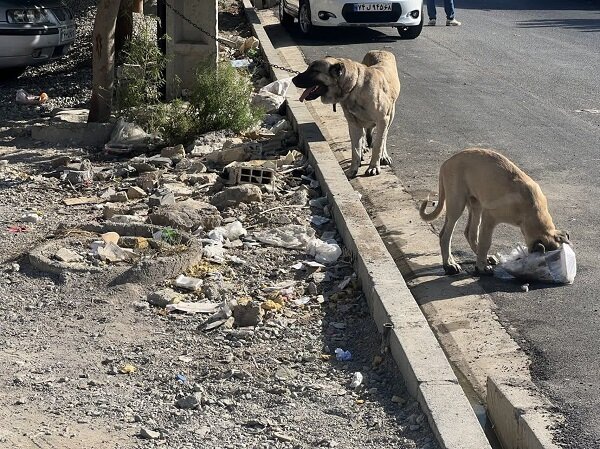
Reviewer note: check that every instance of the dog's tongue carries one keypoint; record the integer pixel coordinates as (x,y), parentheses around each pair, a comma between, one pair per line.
(306,93)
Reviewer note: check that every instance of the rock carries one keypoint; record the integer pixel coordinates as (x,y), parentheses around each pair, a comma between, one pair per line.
(31,218)
(79,176)
(196,167)
(60,161)
(111,209)
(188,283)
(159,161)
(248,314)
(312,288)
(147,181)
(134,242)
(148,434)
(232,196)
(398,400)
(161,198)
(135,193)
(267,101)
(119,197)
(142,167)
(203,150)
(238,153)
(110,237)
(175,153)
(187,215)
(114,253)
(178,188)
(68,256)
(161,298)
(190,402)
(127,219)
(204,178)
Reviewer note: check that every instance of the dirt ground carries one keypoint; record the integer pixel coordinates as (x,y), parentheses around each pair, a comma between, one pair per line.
(89,363)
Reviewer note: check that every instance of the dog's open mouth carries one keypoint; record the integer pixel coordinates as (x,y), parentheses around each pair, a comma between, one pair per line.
(313,92)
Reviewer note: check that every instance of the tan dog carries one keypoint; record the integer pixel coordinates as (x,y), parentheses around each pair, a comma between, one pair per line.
(367,93)
(494,190)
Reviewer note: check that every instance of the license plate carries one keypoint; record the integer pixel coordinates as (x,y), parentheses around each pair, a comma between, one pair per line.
(372,7)
(67,34)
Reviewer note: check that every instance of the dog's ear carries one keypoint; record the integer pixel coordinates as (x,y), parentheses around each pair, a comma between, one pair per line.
(538,247)
(337,69)
(563,237)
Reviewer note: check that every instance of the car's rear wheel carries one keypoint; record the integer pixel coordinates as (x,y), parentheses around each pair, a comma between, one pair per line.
(285,19)
(304,19)
(411,32)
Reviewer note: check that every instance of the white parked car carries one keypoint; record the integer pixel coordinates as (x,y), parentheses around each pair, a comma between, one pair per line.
(33,32)
(405,15)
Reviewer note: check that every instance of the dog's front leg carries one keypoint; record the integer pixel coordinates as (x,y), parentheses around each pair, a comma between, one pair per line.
(486,229)
(357,136)
(381,131)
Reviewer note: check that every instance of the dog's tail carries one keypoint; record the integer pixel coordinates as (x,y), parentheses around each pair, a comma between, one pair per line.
(438,208)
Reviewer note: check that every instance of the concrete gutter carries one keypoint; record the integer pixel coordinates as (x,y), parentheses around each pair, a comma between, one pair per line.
(424,366)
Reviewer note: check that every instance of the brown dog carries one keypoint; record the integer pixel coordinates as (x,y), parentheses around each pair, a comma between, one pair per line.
(367,93)
(494,190)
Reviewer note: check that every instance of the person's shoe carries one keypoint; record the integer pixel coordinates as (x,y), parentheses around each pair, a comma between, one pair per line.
(452,23)
(431,22)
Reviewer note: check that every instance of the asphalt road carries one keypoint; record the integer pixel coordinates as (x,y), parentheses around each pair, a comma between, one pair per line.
(518,77)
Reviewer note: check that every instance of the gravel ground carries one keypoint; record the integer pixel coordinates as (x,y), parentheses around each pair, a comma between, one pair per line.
(67,339)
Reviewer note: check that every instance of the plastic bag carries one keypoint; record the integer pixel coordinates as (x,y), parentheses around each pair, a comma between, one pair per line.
(559,266)
(288,236)
(324,251)
(278,87)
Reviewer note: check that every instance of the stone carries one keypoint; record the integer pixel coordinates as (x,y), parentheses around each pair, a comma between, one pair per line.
(148,434)
(312,288)
(267,101)
(162,297)
(233,196)
(248,314)
(178,188)
(128,219)
(143,167)
(111,209)
(147,181)
(187,215)
(175,153)
(193,401)
(135,193)
(202,179)
(79,176)
(161,198)
(119,197)
(134,242)
(203,150)
(31,218)
(238,153)
(159,161)
(60,161)
(114,253)
(67,255)
(110,237)
(188,282)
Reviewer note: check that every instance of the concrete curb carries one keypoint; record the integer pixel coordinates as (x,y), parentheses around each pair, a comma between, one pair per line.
(423,364)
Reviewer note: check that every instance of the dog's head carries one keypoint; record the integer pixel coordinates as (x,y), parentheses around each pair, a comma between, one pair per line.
(550,242)
(322,79)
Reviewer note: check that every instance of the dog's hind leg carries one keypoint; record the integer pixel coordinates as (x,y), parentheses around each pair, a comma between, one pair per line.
(385,157)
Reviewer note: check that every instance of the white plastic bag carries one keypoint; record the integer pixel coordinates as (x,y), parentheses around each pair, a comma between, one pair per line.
(324,251)
(278,87)
(559,266)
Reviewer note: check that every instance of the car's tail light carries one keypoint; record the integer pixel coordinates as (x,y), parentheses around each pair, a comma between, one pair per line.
(32,16)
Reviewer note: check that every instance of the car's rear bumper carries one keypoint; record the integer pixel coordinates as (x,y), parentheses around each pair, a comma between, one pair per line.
(343,14)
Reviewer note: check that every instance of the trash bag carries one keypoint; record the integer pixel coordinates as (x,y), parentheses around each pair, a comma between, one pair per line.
(278,87)
(558,267)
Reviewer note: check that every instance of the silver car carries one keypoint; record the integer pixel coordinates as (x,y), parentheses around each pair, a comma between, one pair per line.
(33,32)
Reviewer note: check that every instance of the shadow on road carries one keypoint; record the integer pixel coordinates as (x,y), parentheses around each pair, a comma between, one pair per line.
(486,5)
(585,25)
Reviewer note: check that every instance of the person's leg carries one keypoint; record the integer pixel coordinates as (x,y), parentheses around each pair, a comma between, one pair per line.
(431,9)
(449,8)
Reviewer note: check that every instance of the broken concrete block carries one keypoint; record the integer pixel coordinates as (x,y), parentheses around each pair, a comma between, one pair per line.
(187,215)
(188,282)
(161,198)
(68,256)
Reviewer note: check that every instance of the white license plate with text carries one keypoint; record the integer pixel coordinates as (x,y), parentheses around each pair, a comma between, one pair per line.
(67,34)
(372,7)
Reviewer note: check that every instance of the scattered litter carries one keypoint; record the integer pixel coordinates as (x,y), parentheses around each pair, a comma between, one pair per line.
(325,252)
(589,111)
(23,97)
(241,63)
(188,283)
(193,307)
(559,266)
(357,379)
(181,378)
(525,288)
(320,202)
(317,220)
(31,218)
(279,87)
(288,236)
(342,356)
(231,231)
(16,229)
(301,301)
(128,368)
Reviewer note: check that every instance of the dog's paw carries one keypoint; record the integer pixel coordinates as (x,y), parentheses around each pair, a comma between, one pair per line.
(452,269)
(493,260)
(385,160)
(488,270)
(372,171)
